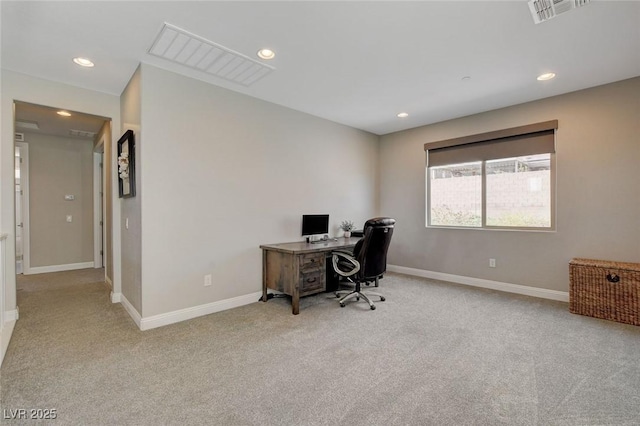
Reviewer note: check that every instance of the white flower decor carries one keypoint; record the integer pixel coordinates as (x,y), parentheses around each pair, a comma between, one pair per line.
(347,225)
(123,165)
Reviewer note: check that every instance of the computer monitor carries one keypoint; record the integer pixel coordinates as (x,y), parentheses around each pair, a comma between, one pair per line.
(313,224)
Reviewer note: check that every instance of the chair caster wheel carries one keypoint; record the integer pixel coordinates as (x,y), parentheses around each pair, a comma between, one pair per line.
(342,305)
(337,296)
(373,308)
(357,299)
(382,299)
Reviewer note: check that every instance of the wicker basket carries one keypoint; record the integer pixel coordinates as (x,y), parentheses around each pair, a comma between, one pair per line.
(605,289)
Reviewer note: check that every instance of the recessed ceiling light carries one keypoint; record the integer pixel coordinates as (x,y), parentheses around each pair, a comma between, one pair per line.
(403,114)
(64,113)
(546,76)
(266,54)
(83,62)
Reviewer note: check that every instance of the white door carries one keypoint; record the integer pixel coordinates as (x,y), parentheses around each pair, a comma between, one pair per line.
(22,207)
(101,211)
(19,218)
(98,212)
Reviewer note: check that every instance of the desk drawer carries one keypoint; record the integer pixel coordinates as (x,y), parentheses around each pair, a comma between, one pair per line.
(311,282)
(309,262)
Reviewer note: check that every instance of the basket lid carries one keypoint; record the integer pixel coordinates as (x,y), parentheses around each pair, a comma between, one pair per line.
(605,264)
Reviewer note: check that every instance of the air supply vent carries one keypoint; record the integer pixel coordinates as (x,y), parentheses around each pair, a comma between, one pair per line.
(182,47)
(19,137)
(543,10)
(82,134)
(26,124)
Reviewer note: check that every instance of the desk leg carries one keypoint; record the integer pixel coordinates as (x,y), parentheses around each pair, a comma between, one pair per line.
(264,275)
(295,301)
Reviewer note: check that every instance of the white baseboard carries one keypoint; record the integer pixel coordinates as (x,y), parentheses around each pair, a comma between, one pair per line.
(108,282)
(59,268)
(12,315)
(116,297)
(197,311)
(5,337)
(133,313)
(542,293)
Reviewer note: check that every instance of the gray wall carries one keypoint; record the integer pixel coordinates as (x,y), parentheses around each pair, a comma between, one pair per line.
(598,192)
(130,108)
(223,173)
(60,166)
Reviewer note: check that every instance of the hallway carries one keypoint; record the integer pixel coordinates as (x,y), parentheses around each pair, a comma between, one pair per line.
(61,300)
(67,325)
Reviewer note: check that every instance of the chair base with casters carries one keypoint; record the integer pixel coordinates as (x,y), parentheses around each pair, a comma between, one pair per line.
(357,294)
(367,262)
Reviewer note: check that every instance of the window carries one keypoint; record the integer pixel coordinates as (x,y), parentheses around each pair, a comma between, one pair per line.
(456,195)
(496,180)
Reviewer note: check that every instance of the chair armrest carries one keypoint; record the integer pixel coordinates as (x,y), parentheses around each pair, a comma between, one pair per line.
(337,256)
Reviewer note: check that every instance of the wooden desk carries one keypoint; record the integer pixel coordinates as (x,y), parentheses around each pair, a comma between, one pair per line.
(298,269)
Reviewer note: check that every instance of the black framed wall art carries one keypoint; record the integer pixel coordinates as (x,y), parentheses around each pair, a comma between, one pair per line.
(127,165)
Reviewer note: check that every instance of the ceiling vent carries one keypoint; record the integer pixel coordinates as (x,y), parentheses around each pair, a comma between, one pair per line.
(19,137)
(543,10)
(25,124)
(182,47)
(82,134)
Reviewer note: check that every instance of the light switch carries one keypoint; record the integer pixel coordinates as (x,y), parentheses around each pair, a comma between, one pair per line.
(69,218)
(69,197)
(126,223)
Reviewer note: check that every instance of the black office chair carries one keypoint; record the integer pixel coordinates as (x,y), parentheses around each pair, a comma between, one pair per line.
(368,261)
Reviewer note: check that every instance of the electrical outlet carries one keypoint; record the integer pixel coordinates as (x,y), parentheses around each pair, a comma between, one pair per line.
(492,263)
(207,280)
(69,218)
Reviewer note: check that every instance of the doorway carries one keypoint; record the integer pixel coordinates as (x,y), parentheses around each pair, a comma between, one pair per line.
(55,191)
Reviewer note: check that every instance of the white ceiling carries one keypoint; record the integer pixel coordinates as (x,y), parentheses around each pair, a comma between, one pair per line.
(356,63)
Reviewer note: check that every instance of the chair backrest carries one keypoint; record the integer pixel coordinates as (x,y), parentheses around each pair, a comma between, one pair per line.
(372,253)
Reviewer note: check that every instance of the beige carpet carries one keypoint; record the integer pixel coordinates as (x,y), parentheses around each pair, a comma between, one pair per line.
(432,354)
